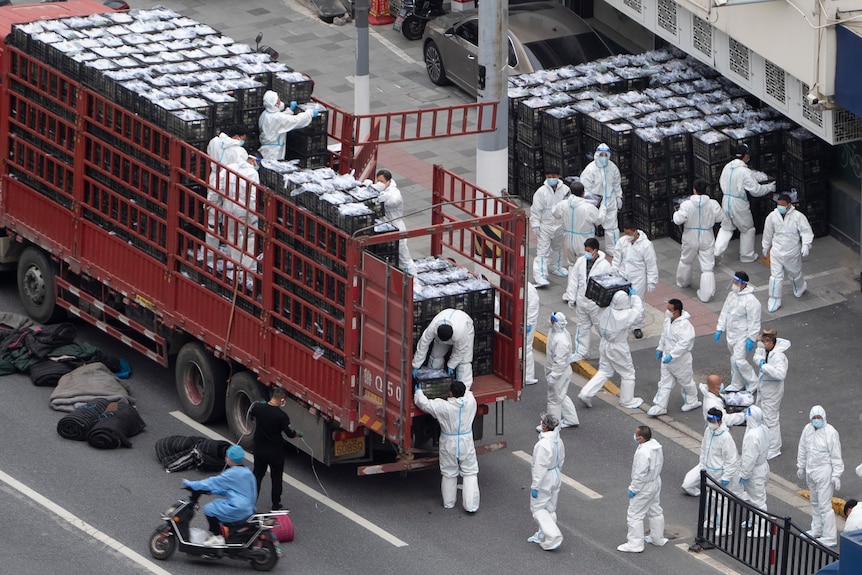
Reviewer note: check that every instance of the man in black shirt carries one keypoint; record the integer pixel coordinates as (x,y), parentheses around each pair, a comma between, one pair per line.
(271,421)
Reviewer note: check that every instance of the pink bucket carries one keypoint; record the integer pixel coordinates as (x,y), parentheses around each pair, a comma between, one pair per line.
(283,529)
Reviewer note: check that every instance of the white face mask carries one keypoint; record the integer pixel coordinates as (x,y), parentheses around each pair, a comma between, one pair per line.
(713,426)
(281,107)
(635,437)
(735,288)
(668,314)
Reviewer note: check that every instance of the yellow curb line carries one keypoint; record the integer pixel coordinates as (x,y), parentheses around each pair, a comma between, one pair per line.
(582,368)
(837,502)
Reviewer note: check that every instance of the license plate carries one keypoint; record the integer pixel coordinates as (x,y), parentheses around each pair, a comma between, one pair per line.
(350,446)
(399,20)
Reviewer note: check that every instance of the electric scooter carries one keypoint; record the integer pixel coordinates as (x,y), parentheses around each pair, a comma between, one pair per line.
(414,16)
(250,540)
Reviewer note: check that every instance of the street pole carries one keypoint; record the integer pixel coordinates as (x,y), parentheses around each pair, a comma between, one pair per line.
(361,82)
(492,162)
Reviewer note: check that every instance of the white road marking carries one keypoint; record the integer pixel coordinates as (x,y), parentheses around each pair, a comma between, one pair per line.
(721,568)
(395,49)
(299,486)
(579,487)
(82,525)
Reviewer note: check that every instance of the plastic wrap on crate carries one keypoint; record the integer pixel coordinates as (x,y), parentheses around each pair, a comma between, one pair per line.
(431,263)
(435,383)
(711,146)
(293,86)
(602,287)
(443,276)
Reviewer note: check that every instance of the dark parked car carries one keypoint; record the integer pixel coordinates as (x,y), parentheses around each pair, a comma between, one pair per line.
(542,35)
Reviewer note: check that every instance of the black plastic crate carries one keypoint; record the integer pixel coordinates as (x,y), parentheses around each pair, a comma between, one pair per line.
(650,189)
(749,140)
(483,364)
(709,151)
(307,144)
(678,143)
(819,226)
(647,148)
(769,162)
(804,168)
(650,169)
(529,115)
(679,163)
(561,146)
(560,126)
(592,128)
(651,208)
(435,383)
(483,323)
(617,135)
(292,90)
(768,142)
(802,144)
(312,161)
(530,176)
(680,185)
(482,301)
(602,287)
(530,135)
(805,187)
(483,343)
(654,229)
(529,154)
(568,165)
(187,124)
(707,171)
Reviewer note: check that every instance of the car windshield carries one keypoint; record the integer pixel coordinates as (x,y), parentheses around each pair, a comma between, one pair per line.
(565,50)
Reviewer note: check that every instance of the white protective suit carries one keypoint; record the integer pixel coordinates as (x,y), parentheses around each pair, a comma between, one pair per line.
(237,219)
(786,238)
(549,454)
(615,321)
(558,372)
(530,328)
(457,449)
(646,485)
(739,320)
(224,150)
(736,182)
(753,468)
(579,218)
(393,207)
(698,215)
(635,260)
(605,182)
(461,345)
(549,234)
(275,122)
(773,370)
(854,521)
(677,341)
(587,311)
(819,461)
(719,457)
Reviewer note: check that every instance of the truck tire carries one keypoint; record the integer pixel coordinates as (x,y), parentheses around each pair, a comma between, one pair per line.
(243,391)
(201,381)
(36,286)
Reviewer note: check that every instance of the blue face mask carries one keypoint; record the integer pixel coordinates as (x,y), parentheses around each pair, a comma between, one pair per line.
(602,161)
(817,423)
(782,210)
(588,255)
(552,182)
(242,142)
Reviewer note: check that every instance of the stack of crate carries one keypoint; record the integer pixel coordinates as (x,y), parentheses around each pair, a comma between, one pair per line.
(439,285)
(516,96)
(804,169)
(528,147)
(711,151)
(561,140)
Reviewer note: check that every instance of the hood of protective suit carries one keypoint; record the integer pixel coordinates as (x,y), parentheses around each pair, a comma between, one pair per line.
(561,323)
(620,300)
(246,170)
(270,101)
(683,315)
(818,410)
(781,345)
(754,416)
(746,290)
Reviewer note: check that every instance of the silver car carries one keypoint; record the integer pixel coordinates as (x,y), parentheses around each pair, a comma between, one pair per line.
(542,35)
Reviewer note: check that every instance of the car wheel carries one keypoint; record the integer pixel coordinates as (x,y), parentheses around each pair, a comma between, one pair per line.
(434,65)
(413,27)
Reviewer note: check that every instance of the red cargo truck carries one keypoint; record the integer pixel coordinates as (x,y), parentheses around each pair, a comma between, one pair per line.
(107,216)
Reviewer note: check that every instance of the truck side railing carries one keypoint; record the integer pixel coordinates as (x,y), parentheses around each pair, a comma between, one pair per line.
(766,543)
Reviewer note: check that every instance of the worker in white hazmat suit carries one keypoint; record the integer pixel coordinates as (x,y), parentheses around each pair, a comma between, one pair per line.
(275,122)
(819,463)
(452,333)
(546,228)
(579,218)
(602,177)
(718,456)
(645,494)
(549,454)
(771,359)
(736,182)
(634,259)
(698,216)
(740,319)
(614,354)
(241,204)
(457,449)
(674,353)
(530,334)
(558,371)
(393,206)
(787,238)
(592,263)
(753,468)
(227,148)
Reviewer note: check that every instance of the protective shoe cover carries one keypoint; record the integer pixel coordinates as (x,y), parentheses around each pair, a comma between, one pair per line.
(552,537)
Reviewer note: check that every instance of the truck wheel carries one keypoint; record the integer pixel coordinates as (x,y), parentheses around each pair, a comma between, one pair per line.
(36,286)
(243,391)
(201,383)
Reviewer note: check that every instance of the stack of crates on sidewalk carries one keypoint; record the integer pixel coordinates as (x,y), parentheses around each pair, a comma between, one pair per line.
(440,284)
(529,152)
(804,169)
(711,151)
(561,140)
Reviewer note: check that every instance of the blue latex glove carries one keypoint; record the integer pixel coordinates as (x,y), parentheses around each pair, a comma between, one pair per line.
(725,482)
(631,494)
(667,358)
(718,333)
(743,481)
(529,328)
(450,371)
(293,105)
(658,355)
(762,362)
(417,387)
(632,290)
(415,372)
(749,345)
(534,493)
(314,113)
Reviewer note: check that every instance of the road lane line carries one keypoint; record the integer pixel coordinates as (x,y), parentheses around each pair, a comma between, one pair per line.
(82,525)
(395,49)
(579,487)
(720,567)
(302,487)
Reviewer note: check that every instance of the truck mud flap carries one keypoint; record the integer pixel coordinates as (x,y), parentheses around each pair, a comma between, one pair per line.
(423,463)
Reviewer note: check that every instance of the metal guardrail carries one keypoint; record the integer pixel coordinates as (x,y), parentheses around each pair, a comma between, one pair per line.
(766,543)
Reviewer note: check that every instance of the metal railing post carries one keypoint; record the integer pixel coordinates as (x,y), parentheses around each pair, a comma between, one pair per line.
(785,548)
(701,508)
